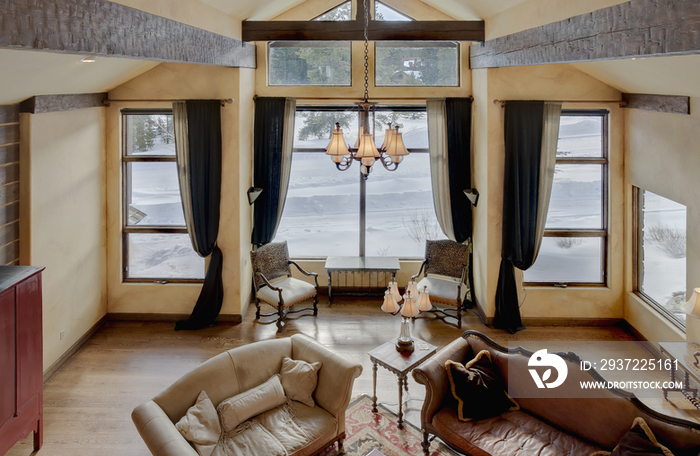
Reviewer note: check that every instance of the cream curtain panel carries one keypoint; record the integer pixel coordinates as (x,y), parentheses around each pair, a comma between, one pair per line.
(550,137)
(290,109)
(182,148)
(439,164)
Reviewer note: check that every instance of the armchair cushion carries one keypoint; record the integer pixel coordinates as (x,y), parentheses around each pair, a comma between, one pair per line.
(293,291)
(200,425)
(446,257)
(237,409)
(444,290)
(299,380)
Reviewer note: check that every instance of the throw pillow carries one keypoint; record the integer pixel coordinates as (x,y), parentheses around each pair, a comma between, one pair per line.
(200,425)
(237,409)
(479,388)
(638,441)
(299,380)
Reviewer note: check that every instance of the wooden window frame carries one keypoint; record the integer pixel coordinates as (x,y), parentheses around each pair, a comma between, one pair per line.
(602,233)
(126,181)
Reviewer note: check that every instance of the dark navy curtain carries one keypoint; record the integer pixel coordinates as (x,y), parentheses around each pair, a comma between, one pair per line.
(524,122)
(268,137)
(199,166)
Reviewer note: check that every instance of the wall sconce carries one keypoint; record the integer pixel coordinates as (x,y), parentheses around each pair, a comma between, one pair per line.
(253,194)
(472,195)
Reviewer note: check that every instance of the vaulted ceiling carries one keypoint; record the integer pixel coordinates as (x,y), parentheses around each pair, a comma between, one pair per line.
(27,73)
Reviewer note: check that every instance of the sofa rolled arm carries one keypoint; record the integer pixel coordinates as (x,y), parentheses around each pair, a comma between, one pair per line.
(335,379)
(159,433)
(433,375)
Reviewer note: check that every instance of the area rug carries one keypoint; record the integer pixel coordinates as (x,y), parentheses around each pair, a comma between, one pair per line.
(366,431)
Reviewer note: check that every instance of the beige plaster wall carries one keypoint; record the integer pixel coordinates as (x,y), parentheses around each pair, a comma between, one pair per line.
(533,13)
(177,81)
(63,220)
(661,156)
(551,82)
(191,12)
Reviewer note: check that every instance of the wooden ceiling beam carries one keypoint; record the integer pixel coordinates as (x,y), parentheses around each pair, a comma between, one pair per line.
(104,28)
(638,28)
(354,30)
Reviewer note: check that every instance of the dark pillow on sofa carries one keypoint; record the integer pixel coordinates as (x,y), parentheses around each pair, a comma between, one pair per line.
(479,388)
(638,441)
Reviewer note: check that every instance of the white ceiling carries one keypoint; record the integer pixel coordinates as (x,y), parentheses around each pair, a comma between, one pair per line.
(28,73)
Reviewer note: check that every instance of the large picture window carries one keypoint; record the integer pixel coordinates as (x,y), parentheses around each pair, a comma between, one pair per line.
(324,206)
(573,251)
(661,252)
(155,241)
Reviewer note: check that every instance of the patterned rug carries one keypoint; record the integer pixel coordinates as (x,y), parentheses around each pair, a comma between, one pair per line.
(366,431)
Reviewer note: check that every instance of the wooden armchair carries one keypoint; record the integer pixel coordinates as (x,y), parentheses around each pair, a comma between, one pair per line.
(445,271)
(274,284)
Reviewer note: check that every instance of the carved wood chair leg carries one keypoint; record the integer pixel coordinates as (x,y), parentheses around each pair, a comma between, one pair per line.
(280,316)
(316,304)
(425,443)
(257,311)
(459,317)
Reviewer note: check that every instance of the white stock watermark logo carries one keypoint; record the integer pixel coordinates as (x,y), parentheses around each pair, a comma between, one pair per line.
(543,359)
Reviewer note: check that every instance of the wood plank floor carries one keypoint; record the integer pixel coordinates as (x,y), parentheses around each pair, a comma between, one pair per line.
(87,404)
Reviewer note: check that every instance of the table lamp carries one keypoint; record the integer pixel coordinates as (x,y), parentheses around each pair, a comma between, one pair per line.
(692,307)
(414,302)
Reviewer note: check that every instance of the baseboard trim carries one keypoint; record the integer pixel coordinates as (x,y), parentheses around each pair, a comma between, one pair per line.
(572,321)
(126,316)
(482,315)
(59,363)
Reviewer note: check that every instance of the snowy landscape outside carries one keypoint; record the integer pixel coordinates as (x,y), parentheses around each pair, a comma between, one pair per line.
(663,251)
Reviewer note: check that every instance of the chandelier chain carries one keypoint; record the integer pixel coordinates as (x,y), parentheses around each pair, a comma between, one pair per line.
(366,3)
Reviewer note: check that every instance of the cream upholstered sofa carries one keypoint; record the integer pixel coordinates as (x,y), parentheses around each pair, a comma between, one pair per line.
(577,426)
(240,369)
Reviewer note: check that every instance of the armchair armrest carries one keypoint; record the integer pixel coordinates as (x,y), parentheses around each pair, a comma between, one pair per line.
(159,433)
(306,273)
(422,265)
(433,375)
(267,282)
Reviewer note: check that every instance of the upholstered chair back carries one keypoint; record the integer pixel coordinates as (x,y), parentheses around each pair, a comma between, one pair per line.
(446,258)
(272,261)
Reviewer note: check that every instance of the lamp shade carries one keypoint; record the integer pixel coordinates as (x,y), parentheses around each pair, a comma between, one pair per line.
(394,287)
(367,148)
(692,306)
(337,147)
(424,303)
(412,289)
(409,308)
(390,305)
(396,147)
(388,138)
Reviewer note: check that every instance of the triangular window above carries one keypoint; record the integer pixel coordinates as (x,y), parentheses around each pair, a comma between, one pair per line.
(383,12)
(342,12)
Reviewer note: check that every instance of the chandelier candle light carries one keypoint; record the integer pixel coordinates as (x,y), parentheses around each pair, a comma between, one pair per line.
(391,152)
(414,302)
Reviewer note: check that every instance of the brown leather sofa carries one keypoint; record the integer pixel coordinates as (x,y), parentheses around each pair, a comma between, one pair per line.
(240,369)
(542,427)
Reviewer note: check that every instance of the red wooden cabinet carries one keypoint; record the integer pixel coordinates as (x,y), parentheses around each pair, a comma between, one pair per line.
(21,358)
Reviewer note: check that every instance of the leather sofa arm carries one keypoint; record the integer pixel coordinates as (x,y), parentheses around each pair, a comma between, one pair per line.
(159,433)
(433,375)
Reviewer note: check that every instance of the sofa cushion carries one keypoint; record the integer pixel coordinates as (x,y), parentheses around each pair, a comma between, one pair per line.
(249,439)
(302,430)
(299,379)
(510,434)
(200,425)
(479,388)
(237,409)
(639,440)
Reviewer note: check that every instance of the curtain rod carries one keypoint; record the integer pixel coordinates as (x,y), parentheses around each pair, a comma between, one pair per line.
(224,101)
(621,102)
